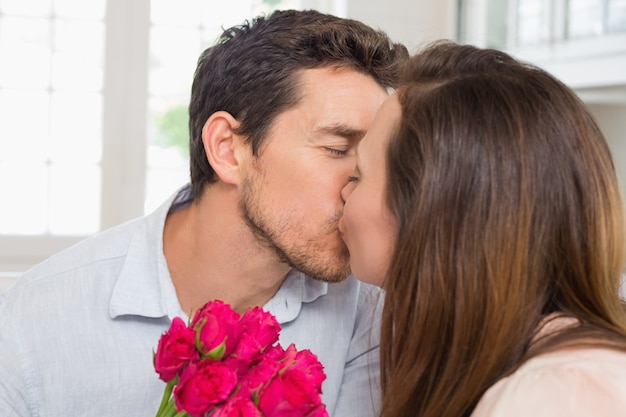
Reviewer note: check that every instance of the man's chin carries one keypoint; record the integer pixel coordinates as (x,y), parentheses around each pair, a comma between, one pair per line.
(329,265)
(337,274)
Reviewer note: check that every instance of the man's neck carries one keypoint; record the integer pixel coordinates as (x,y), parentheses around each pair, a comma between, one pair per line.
(212,254)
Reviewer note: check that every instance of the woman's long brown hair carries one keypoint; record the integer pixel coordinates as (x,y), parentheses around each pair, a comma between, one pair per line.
(508,209)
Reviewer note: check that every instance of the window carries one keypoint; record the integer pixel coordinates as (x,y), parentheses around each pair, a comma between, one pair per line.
(585,18)
(51,106)
(515,24)
(93,100)
(616,16)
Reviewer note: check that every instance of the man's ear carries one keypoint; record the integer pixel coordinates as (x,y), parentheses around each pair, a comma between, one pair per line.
(221,145)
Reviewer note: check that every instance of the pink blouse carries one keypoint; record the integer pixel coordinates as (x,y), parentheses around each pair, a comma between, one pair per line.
(573,383)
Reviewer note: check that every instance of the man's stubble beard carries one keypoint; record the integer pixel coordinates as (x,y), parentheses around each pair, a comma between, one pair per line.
(302,259)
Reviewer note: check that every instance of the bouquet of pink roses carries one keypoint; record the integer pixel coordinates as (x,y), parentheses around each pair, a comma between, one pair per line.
(223,364)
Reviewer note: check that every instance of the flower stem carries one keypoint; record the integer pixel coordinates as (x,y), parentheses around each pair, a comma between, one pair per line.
(170,409)
(167,394)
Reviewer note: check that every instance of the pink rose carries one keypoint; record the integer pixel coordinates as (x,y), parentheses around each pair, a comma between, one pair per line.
(277,352)
(238,406)
(259,330)
(291,394)
(260,374)
(246,353)
(261,326)
(203,385)
(217,325)
(307,362)
(176,348)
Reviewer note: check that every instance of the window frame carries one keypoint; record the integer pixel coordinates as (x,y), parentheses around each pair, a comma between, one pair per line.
(123,164)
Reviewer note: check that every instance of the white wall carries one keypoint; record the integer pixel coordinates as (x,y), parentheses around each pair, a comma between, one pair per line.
(411,22)
(612,119)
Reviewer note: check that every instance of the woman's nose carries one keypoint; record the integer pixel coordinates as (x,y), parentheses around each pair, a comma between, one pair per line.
(347,190)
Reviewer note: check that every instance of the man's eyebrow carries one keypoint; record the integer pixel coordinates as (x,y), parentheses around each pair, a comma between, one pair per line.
(341,131)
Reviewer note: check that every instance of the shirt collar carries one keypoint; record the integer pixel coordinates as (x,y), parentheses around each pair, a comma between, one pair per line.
(297,289)
(144,286)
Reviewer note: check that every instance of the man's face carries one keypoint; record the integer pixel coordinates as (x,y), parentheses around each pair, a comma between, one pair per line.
(291,195)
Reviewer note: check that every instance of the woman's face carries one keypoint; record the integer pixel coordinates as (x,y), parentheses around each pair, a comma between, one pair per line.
(367,226)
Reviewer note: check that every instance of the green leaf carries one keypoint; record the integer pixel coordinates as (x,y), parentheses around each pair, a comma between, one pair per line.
(173,129)
(217,352)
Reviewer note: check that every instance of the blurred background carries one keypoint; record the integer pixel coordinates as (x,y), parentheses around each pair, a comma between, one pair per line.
(93,93)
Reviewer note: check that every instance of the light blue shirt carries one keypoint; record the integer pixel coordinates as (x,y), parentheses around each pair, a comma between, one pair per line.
(77,332)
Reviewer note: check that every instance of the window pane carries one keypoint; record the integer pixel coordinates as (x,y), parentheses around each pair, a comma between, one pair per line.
(162,182)
(25,198)
(80,9)
(51,101)
(24,52)
(76,126)
(181,12)
(41,8)
(234,14)
(168,121)
(497,24)
(168,154)
(584,18)
(74,199)
(533,22)
(24,129)
(617,16)
(173,58)
(77,59)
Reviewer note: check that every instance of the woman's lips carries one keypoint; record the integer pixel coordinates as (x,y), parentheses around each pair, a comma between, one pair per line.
(341,227)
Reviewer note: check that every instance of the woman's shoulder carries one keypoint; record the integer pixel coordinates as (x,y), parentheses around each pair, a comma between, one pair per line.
(574,382)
